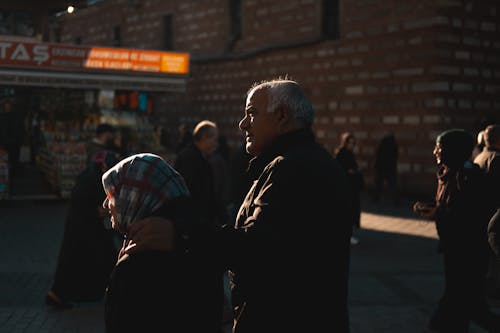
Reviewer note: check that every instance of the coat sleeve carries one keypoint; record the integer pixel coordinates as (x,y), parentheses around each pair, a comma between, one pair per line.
(494,233)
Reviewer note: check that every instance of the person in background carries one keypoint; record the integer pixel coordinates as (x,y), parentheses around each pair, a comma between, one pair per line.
(489,161)
(219,162)
(12,133)
(193,163)
(185,137)
(292,228)
(345,156)
(386,161)
(104,140)
(194,166)
(88,250)
(461,226)
(156,291)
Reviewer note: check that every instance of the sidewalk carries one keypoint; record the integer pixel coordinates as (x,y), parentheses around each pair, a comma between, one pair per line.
(396,274)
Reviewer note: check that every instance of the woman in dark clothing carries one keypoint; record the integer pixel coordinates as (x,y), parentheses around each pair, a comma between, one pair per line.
(461,228)
(157,291)
(345,156)
(386,162)
(88,252)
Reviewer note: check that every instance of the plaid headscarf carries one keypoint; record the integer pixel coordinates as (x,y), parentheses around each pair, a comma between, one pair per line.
(140,184)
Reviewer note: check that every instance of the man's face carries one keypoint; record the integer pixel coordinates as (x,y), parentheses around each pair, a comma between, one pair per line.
(260,126)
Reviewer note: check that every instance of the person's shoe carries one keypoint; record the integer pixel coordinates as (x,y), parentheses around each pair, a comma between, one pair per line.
(51,299)
(354,241)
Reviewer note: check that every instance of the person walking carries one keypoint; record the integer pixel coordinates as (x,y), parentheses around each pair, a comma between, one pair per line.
(461,225)
(104,139)
(489,161)
(345,156)
(386,162)
(156,291)
(87,252)
(12,133)
(194,166)
(289,249)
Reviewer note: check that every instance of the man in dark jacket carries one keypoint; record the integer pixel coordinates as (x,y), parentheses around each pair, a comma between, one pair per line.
(12,134)
(289,248)
(489,161)
(104,140)
(193,164)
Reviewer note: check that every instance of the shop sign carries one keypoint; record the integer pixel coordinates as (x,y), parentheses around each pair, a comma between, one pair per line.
(85,58)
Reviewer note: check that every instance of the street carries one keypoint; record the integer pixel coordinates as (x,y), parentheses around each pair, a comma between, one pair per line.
(396,275)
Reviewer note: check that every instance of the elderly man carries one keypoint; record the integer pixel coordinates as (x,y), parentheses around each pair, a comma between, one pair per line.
(289,249)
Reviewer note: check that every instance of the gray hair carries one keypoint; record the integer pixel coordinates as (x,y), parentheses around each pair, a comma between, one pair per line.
(287,93)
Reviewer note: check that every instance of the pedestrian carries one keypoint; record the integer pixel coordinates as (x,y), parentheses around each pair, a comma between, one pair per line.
(185,137)
(104,140)
(386,162)
(155,291)
(194,166)
(12,133)
(461,225)
(219,163)
(346,158)
(289,249)
(87,252)
(489,161)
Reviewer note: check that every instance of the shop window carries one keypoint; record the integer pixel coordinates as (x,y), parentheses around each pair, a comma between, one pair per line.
(167,33)
(234,22)
(117,38)
(330,19)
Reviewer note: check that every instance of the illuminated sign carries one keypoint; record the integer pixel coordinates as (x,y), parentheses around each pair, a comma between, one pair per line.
(77,57)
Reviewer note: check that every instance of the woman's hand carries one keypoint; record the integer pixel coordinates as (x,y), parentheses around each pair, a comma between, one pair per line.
(424,209)
(151,233)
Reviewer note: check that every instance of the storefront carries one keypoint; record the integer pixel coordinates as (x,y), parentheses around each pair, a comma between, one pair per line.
(64,91)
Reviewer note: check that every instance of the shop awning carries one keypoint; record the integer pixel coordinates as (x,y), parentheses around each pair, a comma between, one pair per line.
(91,80)
(31,63)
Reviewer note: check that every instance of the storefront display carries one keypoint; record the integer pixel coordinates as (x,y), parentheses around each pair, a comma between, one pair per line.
(65,91)
(61,163)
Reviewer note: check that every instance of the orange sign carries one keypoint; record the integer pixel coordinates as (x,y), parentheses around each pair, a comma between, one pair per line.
(77,57)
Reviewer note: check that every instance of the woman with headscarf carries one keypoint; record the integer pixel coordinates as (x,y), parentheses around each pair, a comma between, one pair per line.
(155,291)
(461,228)
(345,156)
(88,252)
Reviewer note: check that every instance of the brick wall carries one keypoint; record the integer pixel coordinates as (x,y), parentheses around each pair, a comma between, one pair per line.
(413,68)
